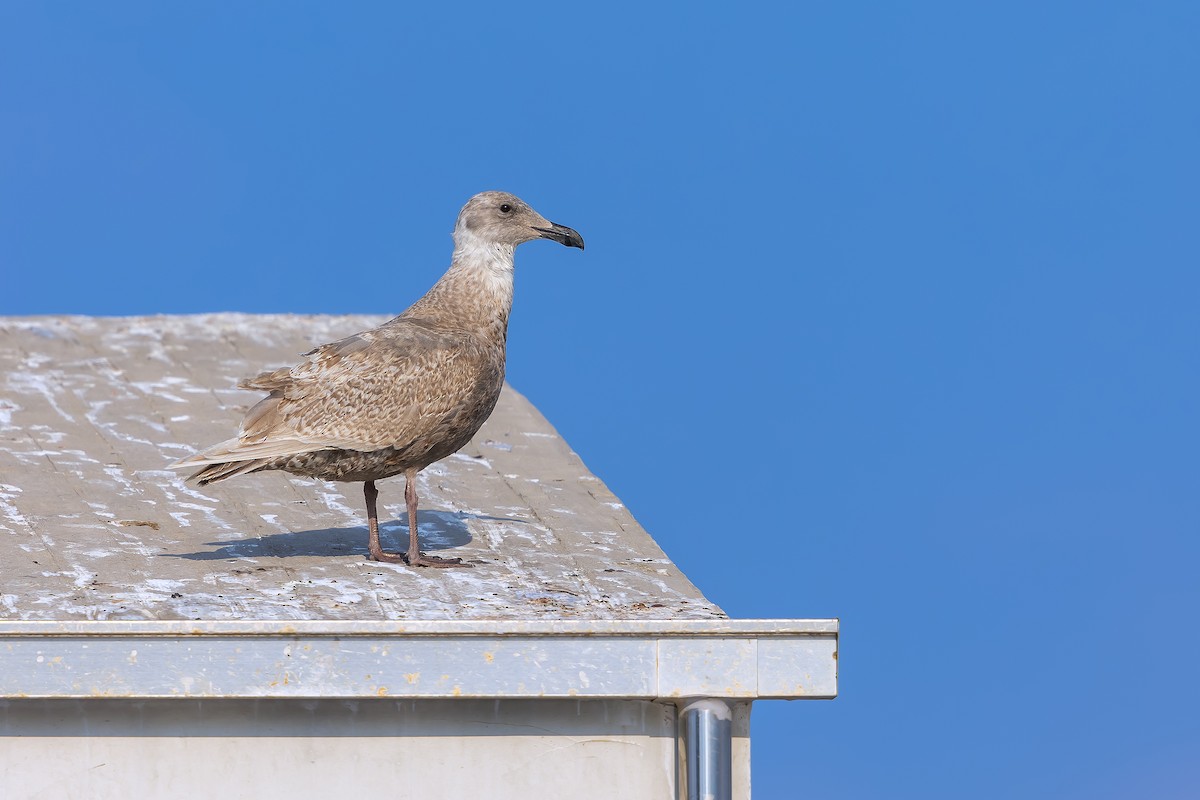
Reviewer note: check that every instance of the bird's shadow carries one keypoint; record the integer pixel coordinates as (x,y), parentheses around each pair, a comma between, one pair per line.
(439,530)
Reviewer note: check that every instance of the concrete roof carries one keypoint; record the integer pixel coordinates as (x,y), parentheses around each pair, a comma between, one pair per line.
(94,527)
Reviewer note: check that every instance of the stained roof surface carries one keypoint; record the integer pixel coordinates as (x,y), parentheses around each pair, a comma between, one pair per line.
(94,526)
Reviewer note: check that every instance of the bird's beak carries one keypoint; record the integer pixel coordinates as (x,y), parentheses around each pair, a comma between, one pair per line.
(562,234)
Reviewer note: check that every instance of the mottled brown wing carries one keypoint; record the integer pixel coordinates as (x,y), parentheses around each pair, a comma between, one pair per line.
(387,387)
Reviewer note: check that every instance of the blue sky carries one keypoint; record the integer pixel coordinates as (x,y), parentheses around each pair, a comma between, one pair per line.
(888,311)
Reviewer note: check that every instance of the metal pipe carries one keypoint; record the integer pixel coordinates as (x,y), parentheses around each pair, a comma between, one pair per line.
(706,728)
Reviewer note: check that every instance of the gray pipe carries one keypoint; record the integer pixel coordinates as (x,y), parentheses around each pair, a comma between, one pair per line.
(706,728)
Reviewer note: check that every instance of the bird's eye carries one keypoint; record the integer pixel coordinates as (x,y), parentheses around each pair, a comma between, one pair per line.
(505,208)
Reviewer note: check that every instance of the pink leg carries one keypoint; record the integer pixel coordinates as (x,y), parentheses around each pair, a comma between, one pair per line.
(377,553)
(414,556)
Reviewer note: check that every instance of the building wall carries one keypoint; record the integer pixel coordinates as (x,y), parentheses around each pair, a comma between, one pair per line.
(264,749)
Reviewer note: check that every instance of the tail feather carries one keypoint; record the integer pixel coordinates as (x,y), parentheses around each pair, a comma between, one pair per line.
(227,469)
(237,456)
(241,450)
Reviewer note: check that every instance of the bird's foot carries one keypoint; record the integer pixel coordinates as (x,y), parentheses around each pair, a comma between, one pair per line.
(423,560)
(388,558)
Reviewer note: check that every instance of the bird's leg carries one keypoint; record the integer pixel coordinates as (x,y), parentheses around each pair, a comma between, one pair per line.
(371,494)
(414,556)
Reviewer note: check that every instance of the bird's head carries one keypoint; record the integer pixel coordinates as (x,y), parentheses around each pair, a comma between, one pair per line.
(505,219)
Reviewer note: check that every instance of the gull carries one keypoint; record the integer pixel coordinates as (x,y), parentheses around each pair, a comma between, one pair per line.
(399,397)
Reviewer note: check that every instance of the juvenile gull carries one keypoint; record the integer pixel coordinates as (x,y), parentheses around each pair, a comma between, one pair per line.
(399,397)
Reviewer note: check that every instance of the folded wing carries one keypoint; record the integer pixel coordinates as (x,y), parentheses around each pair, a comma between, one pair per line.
(387,387)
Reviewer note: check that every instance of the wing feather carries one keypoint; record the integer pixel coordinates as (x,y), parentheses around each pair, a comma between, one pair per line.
(381,388)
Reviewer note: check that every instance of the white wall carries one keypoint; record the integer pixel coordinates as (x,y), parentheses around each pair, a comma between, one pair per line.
(100,749)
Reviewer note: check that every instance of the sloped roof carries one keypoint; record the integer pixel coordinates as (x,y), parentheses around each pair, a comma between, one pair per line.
(93,525)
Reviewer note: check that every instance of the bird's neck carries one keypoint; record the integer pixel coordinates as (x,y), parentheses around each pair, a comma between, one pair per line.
(476,293)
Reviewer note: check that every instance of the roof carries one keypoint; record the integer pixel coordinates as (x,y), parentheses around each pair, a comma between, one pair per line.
(93,526)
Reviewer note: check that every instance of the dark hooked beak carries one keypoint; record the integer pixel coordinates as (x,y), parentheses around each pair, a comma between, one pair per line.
(562,234)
